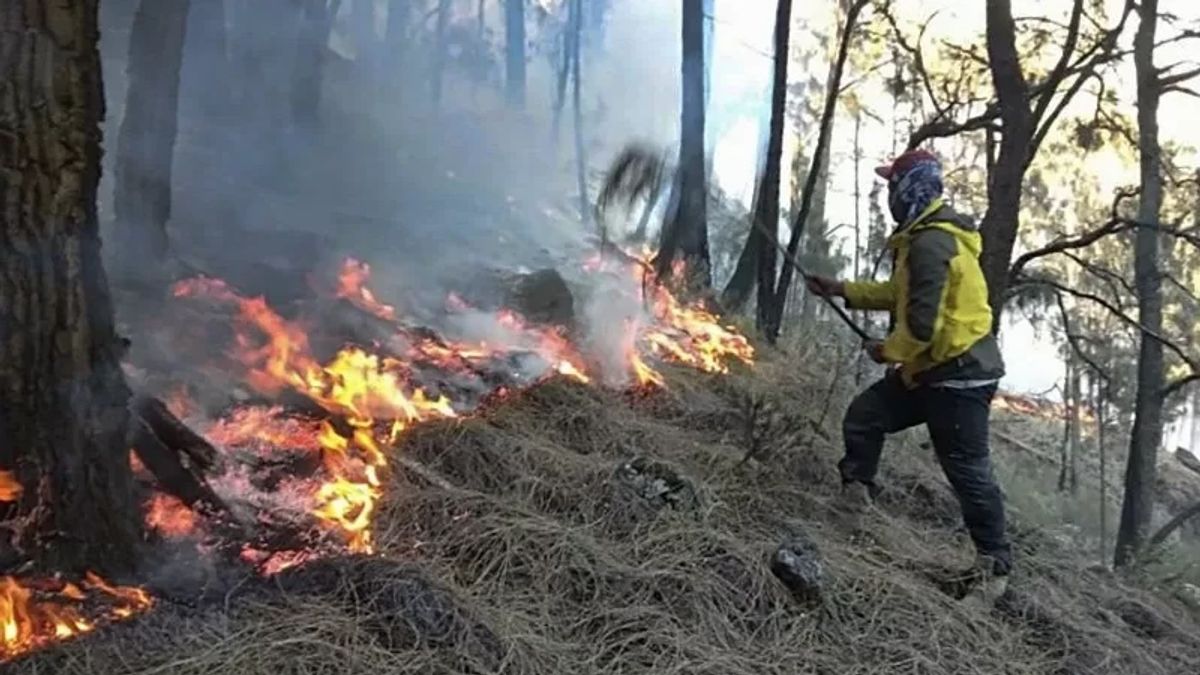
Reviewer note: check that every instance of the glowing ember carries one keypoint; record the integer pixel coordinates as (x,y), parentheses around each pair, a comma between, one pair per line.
(352,287)
(33,615)
(10,487)
(169,517)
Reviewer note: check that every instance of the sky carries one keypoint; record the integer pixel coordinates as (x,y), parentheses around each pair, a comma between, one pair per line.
(741,71)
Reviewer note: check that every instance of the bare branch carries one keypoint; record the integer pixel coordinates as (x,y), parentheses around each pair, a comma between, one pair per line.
(1167,82)
(1175,386)
(1114,310)
(1057,75)
(1073,340)
(1113,225)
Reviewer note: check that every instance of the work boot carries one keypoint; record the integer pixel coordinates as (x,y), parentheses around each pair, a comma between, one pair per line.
(987,586)
(855,498)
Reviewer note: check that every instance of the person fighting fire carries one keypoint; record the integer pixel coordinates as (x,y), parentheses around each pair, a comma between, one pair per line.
(944,362)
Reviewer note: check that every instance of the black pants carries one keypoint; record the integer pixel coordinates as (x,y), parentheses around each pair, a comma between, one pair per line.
(957,420)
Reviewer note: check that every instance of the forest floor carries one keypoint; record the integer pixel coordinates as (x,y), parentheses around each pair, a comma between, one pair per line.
(575,529)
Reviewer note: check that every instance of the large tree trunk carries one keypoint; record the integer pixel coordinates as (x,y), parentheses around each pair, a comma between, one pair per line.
(1002,219)
(63,414)
(1138,506)
(686,233)
(514,51)
(816,171)
(759,258)
(308,69)
(146,147)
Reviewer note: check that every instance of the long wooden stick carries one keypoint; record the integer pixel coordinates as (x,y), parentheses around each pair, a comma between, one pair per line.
(795,263)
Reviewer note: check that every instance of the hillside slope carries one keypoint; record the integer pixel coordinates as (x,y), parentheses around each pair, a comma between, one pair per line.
(569,529)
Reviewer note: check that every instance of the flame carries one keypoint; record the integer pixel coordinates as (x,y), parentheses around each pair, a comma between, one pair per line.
(169,517)
(34,614)
(374,395)
(352,281)
(10,487)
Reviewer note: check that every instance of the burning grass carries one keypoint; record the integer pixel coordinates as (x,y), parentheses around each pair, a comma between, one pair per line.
(567,527)
(523,553)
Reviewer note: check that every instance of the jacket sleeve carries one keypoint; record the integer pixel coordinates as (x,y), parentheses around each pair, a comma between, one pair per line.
(879,295)
(929,258)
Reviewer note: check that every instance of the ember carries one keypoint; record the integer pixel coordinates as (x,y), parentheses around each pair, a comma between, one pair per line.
(10,487)
(34,613)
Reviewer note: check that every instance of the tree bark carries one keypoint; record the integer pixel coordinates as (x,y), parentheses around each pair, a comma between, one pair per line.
(686,232)
(1102,448)
(514,51)
(1002,218)
(146,145)
(63,415)
(585,210)
(759,258)
(779,299)
(1138,505)
(308,69)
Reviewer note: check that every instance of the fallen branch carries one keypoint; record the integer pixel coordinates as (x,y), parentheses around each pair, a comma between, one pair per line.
(1175,523)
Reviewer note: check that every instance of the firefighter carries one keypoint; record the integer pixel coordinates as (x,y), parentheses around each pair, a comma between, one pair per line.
(943,361)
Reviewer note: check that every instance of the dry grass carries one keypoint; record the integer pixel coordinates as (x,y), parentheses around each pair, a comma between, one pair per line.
(529,543)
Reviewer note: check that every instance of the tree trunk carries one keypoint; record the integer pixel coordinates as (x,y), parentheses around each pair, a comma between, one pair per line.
(146,146)
(1002,219)
(514,51)
(63,414)
(1138,505)
(440,52)
(1069,396)
(1194,444)
(308,69)
(585,210)
(686,234)
(779,299)
(1101,399)
(1073,446)
(758,260)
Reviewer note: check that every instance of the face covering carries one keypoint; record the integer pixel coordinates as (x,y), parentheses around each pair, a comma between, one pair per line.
(914,191)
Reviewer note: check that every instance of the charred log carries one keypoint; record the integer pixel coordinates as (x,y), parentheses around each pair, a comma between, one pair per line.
(174,433)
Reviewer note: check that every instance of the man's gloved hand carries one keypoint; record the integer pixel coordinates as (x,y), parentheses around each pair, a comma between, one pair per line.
(825,287)
(874,349)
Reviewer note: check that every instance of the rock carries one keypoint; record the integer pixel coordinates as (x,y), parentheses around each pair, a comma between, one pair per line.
(541,297)
(1189,594)
(798,564)
(656,483)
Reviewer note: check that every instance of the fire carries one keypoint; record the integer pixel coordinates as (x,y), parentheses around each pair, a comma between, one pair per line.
(375,398)
(169,517)
(352,280)
(10,487)
(34,614)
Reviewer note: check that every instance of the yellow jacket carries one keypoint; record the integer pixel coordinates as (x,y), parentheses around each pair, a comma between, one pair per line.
(942,322)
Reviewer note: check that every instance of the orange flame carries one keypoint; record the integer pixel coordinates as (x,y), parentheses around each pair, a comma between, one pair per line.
(31,618)
(10,487)
(352,280)
(169,517)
